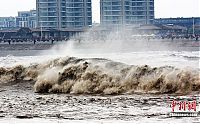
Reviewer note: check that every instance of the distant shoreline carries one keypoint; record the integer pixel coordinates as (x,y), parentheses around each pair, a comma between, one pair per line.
(47,45)
(5,47)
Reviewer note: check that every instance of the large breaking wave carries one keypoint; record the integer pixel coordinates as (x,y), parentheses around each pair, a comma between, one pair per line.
(102,76)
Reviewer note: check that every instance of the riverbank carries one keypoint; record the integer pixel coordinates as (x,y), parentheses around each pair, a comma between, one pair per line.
(5,47)
(182,44)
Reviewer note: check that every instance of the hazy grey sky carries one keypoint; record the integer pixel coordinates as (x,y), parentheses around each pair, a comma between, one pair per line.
(163,8)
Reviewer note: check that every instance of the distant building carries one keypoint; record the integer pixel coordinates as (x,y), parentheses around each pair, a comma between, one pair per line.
(26,19)
(186,22)
(192,24)
(7,22)
(126,12)
(61,14)
(22,19)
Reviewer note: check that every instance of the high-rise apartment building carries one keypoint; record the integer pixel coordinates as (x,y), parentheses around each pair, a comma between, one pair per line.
(61,14)
(126,12)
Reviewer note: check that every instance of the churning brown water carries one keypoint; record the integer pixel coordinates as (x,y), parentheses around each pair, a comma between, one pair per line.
(102,76)
(98,82)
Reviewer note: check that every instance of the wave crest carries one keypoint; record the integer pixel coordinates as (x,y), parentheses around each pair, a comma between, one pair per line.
(101,76)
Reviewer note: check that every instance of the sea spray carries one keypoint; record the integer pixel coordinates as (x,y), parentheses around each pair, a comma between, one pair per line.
(102,76)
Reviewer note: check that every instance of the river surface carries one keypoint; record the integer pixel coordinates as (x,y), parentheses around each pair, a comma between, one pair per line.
(20,103)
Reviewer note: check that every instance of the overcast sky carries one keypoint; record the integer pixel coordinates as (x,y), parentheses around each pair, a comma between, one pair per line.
(163,8)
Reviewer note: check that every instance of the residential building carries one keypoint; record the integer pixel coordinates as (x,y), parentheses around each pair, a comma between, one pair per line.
(126,12)
(26,19)
(61,14)
(7,22)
